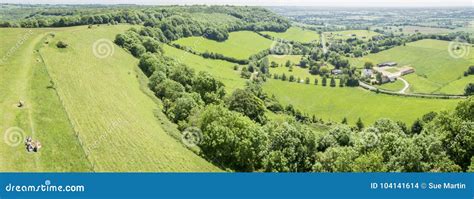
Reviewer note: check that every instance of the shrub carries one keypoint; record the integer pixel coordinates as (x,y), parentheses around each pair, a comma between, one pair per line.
(62,44)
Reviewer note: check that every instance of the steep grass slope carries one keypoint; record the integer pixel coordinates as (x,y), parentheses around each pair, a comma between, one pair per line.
(97,83)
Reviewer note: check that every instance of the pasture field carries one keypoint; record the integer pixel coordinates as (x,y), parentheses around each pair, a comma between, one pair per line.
(417,29)
(114,120)
(24,77)
(347,34)
(281,59)
(295,34)
(222,70)
(297,71)
(435,68)
(240,45)
(392,86)
(336,103)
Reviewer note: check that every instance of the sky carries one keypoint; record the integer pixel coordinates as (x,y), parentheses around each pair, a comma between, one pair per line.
(322,3)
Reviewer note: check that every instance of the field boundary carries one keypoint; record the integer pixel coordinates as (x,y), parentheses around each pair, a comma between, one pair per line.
(420,95)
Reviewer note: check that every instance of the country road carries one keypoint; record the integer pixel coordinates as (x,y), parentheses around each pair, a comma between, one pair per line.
(407,85)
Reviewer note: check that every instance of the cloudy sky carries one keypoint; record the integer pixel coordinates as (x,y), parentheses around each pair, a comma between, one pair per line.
(329,3)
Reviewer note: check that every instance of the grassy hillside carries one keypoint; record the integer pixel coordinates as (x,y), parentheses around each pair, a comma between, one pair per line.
(436,70)
(23,77)
(336,103)
(296,34)
(239,45)
(112,117)
(222,70)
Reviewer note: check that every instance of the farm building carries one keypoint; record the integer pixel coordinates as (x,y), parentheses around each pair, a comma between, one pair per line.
(406,70)
(391,76)
(367,73)
(387,64)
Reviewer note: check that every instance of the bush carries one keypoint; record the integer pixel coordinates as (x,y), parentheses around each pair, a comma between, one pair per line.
(62,44)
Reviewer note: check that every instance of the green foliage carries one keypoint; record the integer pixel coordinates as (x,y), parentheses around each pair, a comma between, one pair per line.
(245,102)
(359,124)
(291,147)
(231,139)
(169,89)
(183,106)
(469,90)
(61,44)
(210,89)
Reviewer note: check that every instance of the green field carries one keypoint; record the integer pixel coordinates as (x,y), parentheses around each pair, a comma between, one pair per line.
(347,34)
(89,113)
(222,70)
(336,103)
(415,29)
(240,45)
(282,59)
(297,71)
(23,77)
(392,86)
(295,34)
(436,70)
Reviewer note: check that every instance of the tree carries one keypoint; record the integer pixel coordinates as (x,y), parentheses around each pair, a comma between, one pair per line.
(469,90)
(378,77)
(61,44)
(183,106)
(324,81)
(156,78)
(291,147)
(359,124)
(417,126)
(210,89)
(315,81)
(283,77)
(288,63)
(137,49)
(368,65)
(151,45)
(149,63)
(333,82)
(182,74)
(292,78)
(231,140)
(344,120)
(307,81)
(245,102)
(169,89)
